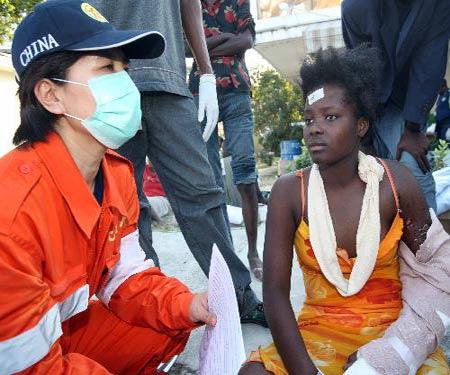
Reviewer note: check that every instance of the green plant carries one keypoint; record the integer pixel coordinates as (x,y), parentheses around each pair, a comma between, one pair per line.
(291,167)
(266,157)
(434,142)
(276,106)
(441,152)
(304,160)
(11,12)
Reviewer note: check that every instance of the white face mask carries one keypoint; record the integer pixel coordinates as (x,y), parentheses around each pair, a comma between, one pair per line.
(118,114)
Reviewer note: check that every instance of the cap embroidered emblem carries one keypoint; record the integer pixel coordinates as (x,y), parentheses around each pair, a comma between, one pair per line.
(89,10)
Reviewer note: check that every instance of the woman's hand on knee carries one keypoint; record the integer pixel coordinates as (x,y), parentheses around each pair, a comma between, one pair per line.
(253,368)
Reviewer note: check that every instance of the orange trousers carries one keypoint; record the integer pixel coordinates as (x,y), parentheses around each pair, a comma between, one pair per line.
(121,348)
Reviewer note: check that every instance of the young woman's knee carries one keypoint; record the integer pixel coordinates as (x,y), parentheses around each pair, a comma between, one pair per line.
(253,368)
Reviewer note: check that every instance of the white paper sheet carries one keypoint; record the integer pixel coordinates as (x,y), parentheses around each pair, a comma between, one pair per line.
(222,347)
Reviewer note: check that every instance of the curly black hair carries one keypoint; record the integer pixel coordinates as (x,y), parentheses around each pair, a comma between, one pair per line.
(357,71)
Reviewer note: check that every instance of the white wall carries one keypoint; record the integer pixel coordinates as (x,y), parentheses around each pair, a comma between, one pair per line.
(9,105)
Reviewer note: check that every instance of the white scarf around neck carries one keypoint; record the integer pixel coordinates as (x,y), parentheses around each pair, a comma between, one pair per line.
(323,237)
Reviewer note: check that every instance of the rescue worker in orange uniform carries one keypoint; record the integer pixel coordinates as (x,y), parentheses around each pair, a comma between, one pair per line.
(69,209)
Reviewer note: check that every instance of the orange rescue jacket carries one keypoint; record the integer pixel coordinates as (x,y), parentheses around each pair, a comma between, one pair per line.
(58,248)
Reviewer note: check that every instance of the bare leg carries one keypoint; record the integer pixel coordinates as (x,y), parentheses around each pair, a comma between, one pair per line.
(249,197)
(253,368)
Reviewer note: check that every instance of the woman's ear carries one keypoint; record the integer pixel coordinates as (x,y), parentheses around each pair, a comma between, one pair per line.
(362,126)
(46,93)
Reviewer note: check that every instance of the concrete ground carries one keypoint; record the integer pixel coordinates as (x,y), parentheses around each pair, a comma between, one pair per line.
(177,260)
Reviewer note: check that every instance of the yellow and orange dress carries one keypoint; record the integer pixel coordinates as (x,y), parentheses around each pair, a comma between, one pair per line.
(332,326)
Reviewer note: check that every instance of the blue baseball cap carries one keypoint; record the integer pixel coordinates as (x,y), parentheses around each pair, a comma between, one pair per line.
(75,25)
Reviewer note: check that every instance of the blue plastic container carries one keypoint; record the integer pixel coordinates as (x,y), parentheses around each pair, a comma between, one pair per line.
(290,149)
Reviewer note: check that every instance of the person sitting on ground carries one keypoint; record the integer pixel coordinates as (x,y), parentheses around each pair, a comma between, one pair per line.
(68,223)
(335,213)
(156,196)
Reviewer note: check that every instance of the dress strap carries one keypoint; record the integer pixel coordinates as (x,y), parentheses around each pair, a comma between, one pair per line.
(302,190)
(392,182)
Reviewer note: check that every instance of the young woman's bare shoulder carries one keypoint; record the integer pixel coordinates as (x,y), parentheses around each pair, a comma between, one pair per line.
(406,184)
(286,185)
(413,206)
(286,193)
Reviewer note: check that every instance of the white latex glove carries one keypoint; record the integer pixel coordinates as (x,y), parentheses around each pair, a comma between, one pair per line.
(207,102)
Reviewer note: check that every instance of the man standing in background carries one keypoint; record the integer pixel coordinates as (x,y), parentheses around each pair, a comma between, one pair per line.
(171,136)
(412,37)
(230,32)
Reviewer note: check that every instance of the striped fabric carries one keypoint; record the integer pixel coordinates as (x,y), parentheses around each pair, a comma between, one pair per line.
(132,261)
(29,347)
(74,304)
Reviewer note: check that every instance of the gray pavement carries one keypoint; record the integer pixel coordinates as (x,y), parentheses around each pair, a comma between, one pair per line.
(176,260)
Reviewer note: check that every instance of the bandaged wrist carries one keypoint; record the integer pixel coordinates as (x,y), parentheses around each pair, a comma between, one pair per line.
(421,326)
(360,366)
(208,78)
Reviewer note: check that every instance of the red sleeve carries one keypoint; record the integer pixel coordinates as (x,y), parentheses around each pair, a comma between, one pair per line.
(151,299)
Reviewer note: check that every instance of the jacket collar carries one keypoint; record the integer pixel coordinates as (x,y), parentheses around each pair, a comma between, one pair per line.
(69,181)
(112,197)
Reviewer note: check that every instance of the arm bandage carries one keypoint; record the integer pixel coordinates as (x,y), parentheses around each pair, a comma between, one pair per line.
(425,316)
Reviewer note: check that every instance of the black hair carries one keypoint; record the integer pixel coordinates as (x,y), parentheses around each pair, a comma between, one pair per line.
(357,71)
(35,121)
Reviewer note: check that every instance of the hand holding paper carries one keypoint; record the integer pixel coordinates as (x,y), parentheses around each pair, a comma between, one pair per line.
(222,348)
(198,310)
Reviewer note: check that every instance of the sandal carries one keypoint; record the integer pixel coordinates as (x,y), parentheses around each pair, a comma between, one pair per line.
(256,316)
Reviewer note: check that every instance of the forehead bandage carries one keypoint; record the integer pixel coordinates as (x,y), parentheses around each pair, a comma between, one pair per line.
(315,96)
